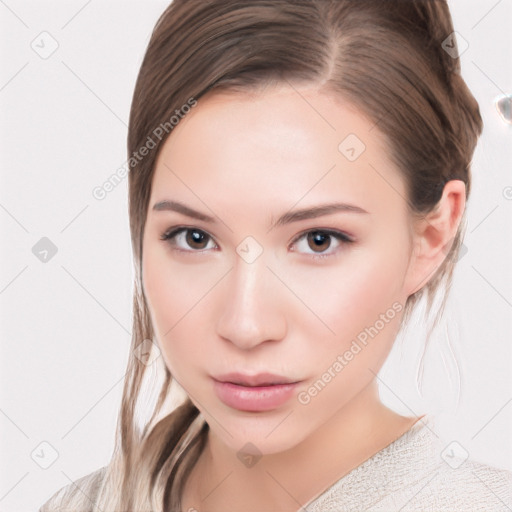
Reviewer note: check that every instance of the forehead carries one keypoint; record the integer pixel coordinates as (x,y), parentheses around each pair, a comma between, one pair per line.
(282,143)
(282,119)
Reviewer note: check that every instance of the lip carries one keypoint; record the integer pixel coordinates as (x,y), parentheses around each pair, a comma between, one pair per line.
(260,379)
(262,392)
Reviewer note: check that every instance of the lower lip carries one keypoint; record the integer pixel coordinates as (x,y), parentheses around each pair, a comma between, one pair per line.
(254,399)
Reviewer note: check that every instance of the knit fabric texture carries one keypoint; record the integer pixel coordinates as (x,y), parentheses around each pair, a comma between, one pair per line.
(418,472)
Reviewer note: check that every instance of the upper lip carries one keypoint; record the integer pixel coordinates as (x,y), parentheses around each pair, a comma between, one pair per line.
(260,379)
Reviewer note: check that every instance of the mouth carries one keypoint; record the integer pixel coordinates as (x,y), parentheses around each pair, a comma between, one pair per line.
(259,380)
(258,393)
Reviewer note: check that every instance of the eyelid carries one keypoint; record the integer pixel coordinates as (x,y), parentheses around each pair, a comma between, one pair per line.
(329,231)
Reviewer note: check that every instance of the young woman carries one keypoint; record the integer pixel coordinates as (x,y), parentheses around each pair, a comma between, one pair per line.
(298,179)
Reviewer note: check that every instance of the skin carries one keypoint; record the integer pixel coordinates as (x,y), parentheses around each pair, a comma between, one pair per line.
(246,159)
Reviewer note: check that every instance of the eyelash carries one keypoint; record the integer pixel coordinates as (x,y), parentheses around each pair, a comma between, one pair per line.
(343,238)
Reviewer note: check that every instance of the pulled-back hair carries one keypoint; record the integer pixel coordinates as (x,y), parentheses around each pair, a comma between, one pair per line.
(385,57)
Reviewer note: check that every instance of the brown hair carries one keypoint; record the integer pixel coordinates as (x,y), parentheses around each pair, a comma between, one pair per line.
(384,57)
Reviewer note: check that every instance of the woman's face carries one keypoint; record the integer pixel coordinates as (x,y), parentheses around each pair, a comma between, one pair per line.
(315,297)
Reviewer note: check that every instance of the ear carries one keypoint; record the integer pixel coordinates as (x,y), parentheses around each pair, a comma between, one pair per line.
(433,236)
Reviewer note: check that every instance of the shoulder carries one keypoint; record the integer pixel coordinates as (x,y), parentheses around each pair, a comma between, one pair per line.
(78,496)
(437,479)
(456,485)
(419,473)
(471,486)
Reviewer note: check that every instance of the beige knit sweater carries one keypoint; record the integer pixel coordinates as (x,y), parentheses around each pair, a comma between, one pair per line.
(417,472)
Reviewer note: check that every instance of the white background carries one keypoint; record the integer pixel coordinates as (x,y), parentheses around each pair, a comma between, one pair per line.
(65,324)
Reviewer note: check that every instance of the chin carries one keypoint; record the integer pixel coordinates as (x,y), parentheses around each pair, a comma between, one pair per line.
(258,436)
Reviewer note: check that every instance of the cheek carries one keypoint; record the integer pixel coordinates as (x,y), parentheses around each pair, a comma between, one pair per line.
(352,294)
(359,299)
(156,290)
(167,300)
(172,289)
(361,303)
(178,297)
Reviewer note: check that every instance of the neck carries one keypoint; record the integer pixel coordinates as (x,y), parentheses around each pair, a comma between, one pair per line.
(285,480)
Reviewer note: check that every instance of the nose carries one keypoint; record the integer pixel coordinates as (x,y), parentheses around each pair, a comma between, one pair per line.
(251,306)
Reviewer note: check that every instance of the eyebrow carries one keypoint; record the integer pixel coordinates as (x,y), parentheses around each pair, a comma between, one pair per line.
(287,218)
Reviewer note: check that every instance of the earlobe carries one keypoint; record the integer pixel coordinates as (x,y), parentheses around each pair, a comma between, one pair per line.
(434,235)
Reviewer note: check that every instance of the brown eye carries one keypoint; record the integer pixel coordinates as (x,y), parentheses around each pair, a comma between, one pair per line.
(318,241)
(188,239)
(196,239)
(315,243)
